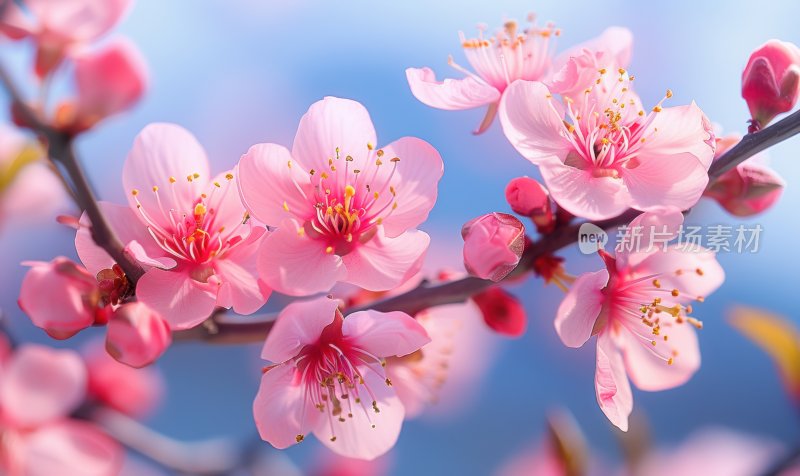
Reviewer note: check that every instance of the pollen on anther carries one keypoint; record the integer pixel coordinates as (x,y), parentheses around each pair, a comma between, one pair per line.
(699,271)
(657,283)
(669,93)
(216,184)
(155,188)
(657,109)
(675,293)
(299,438)
(285,206)
(329,250)
(229,176)
(172,180)
(134,192)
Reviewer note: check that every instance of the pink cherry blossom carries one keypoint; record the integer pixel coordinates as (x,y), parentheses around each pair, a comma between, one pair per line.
(345,210)
(493,245)
(329,378)
(771,81)
(189,229)
(39,387)
(60,26)
(498,61)
(109,81)
(29,190)
(60,297)
(135,392)
(640,309)
(750,188)
(601,153)
(137,335)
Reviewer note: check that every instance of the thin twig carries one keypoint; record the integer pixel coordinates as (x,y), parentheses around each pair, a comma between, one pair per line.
(209,457)
(61,151)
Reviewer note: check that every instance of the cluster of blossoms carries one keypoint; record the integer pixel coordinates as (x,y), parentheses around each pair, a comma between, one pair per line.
(337,209)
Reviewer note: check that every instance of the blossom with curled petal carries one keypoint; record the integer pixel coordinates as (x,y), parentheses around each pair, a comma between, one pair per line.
(599,152)
(345,210)
(187,228)
(330,377)
(640,309)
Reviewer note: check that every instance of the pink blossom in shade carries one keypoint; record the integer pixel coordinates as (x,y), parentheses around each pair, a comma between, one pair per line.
(713,450)
(329,378)
(601,153)
(137,335)
(60,26)
(331,464)
(60,297)
(109,81)
(189,229)
(29,190)
(750,188)
(498,60)
(345,210)
(493,245)
(135,392)
(39,387)
(771,81)
(640,309)
(502,312)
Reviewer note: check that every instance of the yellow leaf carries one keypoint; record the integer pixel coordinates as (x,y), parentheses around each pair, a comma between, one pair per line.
(777,336)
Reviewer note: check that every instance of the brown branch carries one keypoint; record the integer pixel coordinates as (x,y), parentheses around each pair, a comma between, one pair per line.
(425,295)
(61,151)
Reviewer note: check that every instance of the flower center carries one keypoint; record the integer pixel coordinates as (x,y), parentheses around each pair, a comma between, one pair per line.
(649,310)
(348,203)
(333,372)
(194,235)
(607,128)
(510,54)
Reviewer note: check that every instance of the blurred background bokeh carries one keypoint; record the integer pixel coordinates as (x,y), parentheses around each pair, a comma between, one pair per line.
(239,72)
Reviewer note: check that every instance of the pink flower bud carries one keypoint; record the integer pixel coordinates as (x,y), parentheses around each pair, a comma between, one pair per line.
(493,245)
(135,392)
(746,190)
(771,81)
(60,297)
(529,198)
(502,312)
(109,81)
(137,335)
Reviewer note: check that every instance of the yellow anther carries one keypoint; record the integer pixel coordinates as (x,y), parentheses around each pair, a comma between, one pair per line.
(657,283)
(602,71)
(699,271)
(370,146)
(375,195)
(657,109)
(134,192)
(155,188)
(324,175)
(189,178)
(349,191)
(196,175)
(285,206)
(172,180)
(349,158)
(216,184)
(395,159)
(229,176)
(379,153)
(675,293)
(289,164)
(329,250)
(621,71)
(669,362)
(301,232)
(299,438)
(378,162)
(669,93)
(200,209)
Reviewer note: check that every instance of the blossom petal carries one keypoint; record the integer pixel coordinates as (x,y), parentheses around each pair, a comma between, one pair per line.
(385,334)
(647,234)
(578,192)
(69,448)
(368,434)
(647,365)
(532,121)
(241,287)
(384,263)
(280,409)
(330,124)
(613,47)
(182,301)
(418,173)
(580,308)
(299,324)
(267,184)
(292,263)
(666,180)
(450,94)
(690,282)
(41,384)
(611,384)
(681,130)
(161,153)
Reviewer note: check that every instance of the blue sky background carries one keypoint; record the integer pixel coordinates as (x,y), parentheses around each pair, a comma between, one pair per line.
(239,72)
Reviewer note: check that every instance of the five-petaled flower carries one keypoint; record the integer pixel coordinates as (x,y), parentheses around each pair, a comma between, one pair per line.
(345,210)
(188,228)
(640,309)
(330,378)
(599,152)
